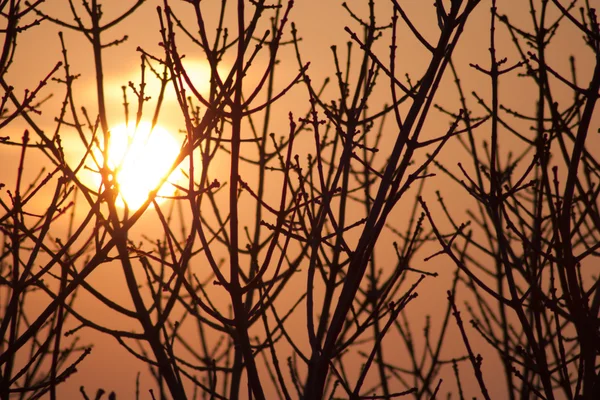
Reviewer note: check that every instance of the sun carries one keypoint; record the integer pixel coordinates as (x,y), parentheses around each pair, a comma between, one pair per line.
(142,157)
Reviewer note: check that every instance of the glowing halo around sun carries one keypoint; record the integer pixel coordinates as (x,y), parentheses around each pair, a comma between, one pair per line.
(141,157)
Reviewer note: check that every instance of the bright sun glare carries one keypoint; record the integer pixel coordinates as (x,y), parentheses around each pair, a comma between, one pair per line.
(142,157)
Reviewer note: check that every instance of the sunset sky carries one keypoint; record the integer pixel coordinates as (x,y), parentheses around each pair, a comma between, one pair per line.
(320,25)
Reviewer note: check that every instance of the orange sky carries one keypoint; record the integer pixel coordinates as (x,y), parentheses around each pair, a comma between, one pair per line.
(320,24)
